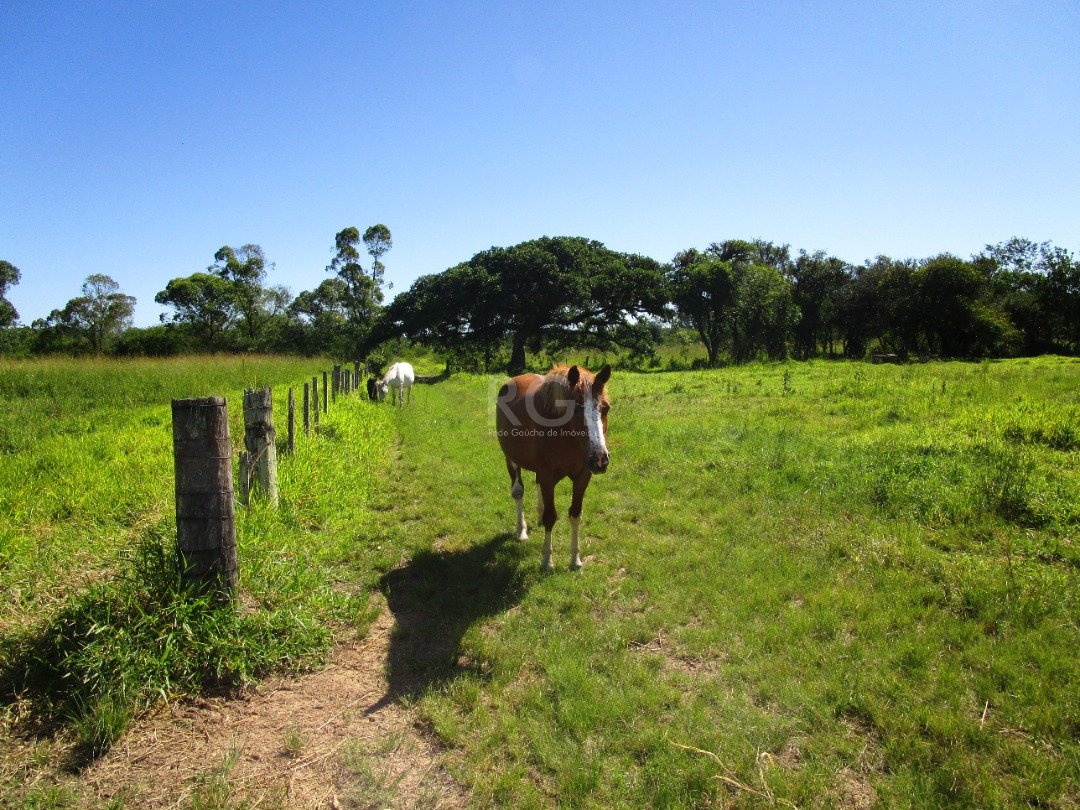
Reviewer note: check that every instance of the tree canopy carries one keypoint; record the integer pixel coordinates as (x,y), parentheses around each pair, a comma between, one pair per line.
(743,299)
(203,302)
(736,296)
(94,320)
(547,293)
(253,303)
(9,277)
(378,240)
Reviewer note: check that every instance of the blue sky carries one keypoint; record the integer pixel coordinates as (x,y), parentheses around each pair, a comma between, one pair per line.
(136,139)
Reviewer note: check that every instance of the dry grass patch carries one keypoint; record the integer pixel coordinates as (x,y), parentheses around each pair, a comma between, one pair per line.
(327,739)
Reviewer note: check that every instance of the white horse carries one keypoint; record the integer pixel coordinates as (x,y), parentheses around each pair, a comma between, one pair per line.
(399,381)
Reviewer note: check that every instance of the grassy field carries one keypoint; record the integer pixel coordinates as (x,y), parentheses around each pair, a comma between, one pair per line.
(95,626)
(814,584)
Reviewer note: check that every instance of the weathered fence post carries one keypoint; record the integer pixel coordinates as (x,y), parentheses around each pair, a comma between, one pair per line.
(325,395)
(337,383)
(205,520)
(315,402)
(259,440)
(307,409)
(291,443)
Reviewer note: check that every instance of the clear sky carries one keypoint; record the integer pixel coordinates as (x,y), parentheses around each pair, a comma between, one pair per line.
(138,138)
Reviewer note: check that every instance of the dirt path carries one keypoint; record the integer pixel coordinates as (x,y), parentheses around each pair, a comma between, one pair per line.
(335,738)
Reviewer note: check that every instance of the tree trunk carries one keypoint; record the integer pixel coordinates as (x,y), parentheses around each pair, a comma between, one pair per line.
(517,355)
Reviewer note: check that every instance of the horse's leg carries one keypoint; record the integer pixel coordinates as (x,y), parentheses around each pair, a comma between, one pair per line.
(517,492)
(546,485)
(580,484)
(539,501)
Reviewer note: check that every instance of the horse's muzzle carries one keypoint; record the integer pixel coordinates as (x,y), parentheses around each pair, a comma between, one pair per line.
(598,462)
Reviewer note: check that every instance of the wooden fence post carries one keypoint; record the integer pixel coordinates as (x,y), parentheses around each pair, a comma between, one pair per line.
(315,402)
(291,443)
(325,395)
(205,520)
(259,439)
(307,409)
(337,383)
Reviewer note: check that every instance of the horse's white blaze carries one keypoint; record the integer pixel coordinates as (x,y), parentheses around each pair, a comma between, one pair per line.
(594,425)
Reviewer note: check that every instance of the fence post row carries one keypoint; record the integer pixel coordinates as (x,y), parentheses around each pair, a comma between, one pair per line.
(205,520)
(259,439)
(202,463)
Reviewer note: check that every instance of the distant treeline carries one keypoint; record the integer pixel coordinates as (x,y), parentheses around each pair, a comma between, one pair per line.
(744,300)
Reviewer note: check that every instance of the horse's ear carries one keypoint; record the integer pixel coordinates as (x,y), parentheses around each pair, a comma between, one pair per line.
(602,378)
(572,376)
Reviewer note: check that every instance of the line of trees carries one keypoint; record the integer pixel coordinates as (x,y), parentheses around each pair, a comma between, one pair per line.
(743,300)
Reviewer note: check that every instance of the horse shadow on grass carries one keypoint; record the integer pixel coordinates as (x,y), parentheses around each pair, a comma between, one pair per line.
(435,599)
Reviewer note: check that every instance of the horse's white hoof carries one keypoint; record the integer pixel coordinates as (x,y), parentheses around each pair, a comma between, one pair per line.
(546,565)
(575,564)
(523,536)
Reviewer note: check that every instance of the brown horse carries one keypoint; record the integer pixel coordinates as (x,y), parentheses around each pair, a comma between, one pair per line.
(555,426)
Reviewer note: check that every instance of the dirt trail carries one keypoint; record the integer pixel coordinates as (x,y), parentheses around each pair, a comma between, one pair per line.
(330,739)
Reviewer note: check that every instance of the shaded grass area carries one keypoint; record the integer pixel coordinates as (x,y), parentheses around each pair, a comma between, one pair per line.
(821,584)
(92,640)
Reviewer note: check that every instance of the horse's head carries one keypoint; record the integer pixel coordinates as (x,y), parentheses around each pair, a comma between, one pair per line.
(590,416)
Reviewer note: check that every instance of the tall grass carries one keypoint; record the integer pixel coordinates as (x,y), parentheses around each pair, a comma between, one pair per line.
(98,624)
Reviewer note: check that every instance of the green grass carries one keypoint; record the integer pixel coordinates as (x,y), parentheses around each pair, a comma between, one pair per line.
(98,626)
(816,583)
(808,581)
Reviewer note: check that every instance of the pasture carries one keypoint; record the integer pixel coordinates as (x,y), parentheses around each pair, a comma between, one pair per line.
(819,584)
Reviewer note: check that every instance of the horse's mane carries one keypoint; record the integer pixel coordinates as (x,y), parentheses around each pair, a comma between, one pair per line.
(555,389)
